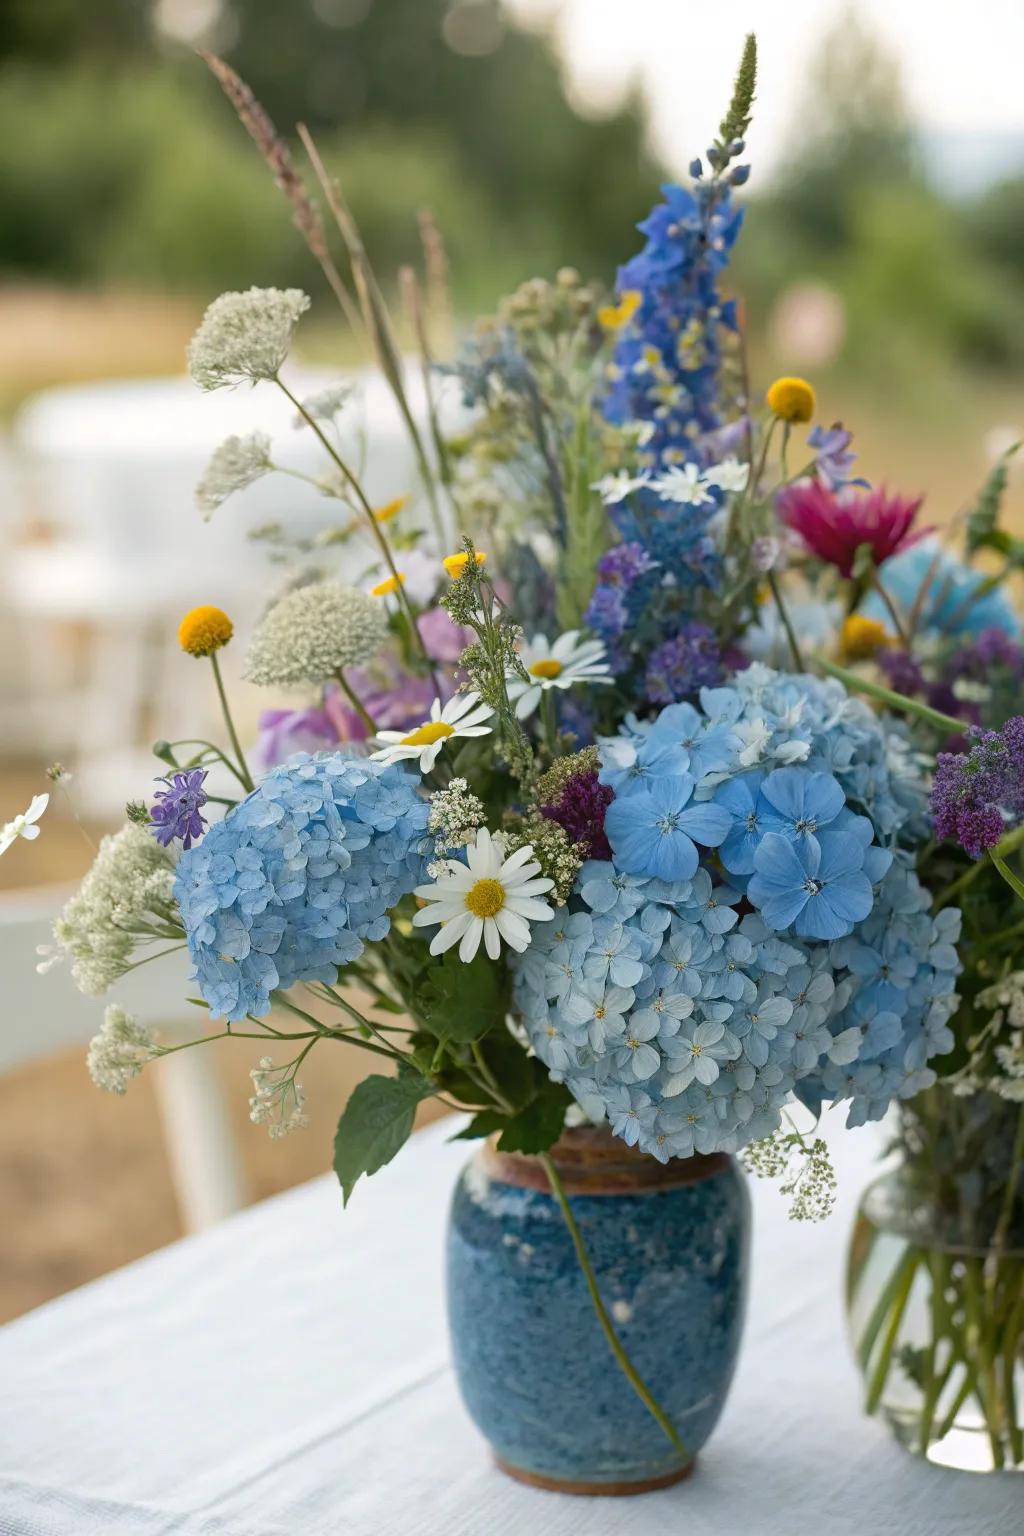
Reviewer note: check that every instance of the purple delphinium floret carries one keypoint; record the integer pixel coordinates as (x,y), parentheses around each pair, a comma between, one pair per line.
(979,794)
(681,667)
(580,809)
(175,812)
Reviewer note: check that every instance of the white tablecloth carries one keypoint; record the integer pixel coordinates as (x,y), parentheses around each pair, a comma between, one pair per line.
(286,1375)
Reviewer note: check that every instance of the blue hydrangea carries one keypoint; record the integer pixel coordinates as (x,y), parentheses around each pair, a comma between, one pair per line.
(948,607)
(298,876)
(689,996)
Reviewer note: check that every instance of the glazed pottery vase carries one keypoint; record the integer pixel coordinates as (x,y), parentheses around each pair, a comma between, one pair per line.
(669,1246)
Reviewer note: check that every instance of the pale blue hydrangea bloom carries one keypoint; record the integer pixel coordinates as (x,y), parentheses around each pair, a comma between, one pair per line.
(298,876)
(691,1026)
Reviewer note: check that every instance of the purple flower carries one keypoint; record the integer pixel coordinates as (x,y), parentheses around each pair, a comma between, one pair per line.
(681,667)
(902,672)
(991,648)
(978,794)
(624,564)
(580,809)
(834,459)
(175,810)
(284,731)
(444,640)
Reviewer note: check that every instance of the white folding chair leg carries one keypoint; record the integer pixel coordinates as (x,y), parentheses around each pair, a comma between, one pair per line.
(204,1162)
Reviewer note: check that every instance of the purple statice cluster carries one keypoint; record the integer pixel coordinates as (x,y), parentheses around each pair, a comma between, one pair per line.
(679,668)
(298,876)
(578,802)
(175,815)
(665,372)
(758,933)
(978,795)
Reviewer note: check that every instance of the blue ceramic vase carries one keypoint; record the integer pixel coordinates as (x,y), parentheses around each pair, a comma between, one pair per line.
(669,1246)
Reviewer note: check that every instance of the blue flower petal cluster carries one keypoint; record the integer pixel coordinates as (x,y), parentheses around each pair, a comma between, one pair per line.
(297,876)
(758,935)
(950,605)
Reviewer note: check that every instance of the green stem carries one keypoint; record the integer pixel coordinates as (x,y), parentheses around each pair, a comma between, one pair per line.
(614,1342)
(356,702)
(888,696)
(1016,886)
(1008,844)
(242,772)
(794,644)
(547,715)
(880,1374)
(891,609)
(979,1344)
(866,1343)
(938,1264)
(967,1386)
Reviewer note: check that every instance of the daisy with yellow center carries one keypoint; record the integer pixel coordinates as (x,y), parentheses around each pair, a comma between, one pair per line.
(204,630)
(614,316)
(568,661)
(862,638)
(463,715)
(489,897)
(456,564)
(388,585)
(791,400)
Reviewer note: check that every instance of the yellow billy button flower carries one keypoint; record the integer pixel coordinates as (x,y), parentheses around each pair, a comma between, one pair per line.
(204,630)
(388,585)
(389,510)
(791,400)
(489,897)
(456,564)
(862,638)
(614,316)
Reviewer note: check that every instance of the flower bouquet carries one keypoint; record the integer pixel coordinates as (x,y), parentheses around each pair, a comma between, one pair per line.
(610,829)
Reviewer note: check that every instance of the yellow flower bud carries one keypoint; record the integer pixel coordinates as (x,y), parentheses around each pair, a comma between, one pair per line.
(204,630)
(456,564)
(791,400)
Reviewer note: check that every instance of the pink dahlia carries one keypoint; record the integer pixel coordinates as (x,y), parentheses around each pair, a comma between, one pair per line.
(835,525)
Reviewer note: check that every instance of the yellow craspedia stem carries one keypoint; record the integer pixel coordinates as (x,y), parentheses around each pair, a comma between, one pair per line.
(389,584)
(389,510)
(204,630)
(862,638)
(614,316)
(456,564)
(791,399)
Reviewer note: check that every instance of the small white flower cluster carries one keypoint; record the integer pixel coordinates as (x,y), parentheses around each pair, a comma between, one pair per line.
(996,1062)
(120,1050)
(277,1100)
(236,463)
(125,900)
(454,818)
(314,631)
(245,336)
(325,404)
(686,484)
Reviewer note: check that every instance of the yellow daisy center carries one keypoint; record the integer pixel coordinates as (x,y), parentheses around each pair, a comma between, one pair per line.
(426,735)
(485,898)
(791,399)
(204,630)
(862,637)
(548,667)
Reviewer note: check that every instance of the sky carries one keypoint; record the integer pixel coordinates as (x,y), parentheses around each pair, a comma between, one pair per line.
(961,63)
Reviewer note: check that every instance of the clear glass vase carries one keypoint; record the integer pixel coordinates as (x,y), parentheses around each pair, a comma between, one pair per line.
(937,1324)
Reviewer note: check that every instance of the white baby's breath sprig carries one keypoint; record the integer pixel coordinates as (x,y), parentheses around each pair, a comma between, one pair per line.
(313,633)
(24,825)
(277,1101)
(245,336)
(235,464)
(120,1051)
(324,405)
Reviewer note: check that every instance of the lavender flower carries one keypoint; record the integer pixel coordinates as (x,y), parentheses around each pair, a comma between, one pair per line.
(978,794)
(834,459)
(176,810)
(680,667)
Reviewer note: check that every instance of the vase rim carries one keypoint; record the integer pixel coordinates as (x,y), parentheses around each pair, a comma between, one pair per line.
(591,1161)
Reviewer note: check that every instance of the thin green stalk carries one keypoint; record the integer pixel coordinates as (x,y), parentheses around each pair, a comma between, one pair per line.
(880,1374)
(1016,886)
(243,774)
(891,609)
(967,1386)
(356,702)
(1012,1341)
(987,1384)
(888,696)
(1008,844)
(547,715)
(938,1265)
(866,1343)
(615,1344)
(794,644)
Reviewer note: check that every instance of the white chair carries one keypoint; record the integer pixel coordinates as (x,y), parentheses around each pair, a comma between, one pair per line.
(42,1014)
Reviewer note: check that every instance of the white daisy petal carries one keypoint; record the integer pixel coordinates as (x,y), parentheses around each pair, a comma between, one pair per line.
(471,939)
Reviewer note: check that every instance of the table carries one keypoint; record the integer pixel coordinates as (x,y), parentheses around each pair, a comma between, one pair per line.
(286,1374)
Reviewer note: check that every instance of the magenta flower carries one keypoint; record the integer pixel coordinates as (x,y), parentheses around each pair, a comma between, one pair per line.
(835,525)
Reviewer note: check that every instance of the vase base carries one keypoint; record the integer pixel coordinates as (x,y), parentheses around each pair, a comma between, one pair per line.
(605,1490)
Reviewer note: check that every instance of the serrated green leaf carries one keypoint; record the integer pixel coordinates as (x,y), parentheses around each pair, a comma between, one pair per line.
(484,1124)
(539,1125)
(376,1122)
(460,1002)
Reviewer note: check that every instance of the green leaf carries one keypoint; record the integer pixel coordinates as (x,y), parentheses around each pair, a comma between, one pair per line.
(510,1066)
(863,562)
(376,1122)
(483,1124)
(539,1125)
(462,1002)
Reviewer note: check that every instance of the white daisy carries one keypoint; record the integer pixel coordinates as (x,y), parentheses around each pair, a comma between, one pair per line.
(570,660)
(730,475)
(615,488)
(25,824)
(490,897)
(685,485)
(463,715)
